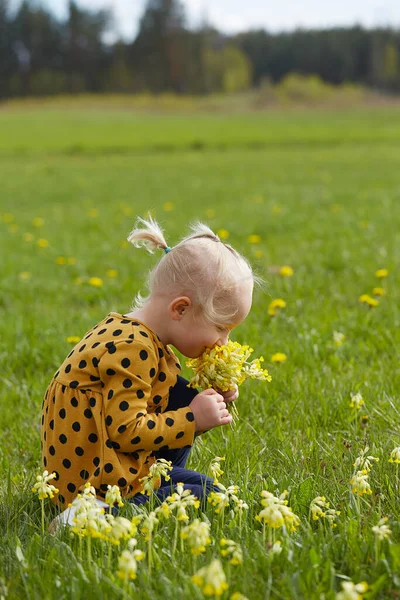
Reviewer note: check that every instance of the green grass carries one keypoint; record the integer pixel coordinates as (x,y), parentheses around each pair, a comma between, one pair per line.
(322,190)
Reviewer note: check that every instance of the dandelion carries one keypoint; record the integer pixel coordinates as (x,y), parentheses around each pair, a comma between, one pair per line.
(286,271)
(197,535)
(211,579)
(127,564)
(113,495)
(168,206)
(42,243)
(378,291)
(24,275)
(215,468)
(254,239)
(28,237)
(278,357)
(359,483)
(112,273)
(223,234)
(363,462)
(352,591)
(381,273)
(223,367)
(61,260)
(232,550)
(338,338)
(356,401)
(44,489)
(38,222)
(274,305)
(95,281)
(157,470)
(367,299)
(381,530)
(73,339)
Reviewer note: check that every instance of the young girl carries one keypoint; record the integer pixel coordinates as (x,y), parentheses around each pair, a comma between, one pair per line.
(118,403)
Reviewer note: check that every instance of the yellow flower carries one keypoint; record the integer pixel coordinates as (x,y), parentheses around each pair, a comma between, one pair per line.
(210,213)
(197,535)
(356,401)
(61,260)
(359,483)
(364,462)
(223,234)
(254,239)
(24,275)
(381,530)
(73,339)
(395,455)
(378,291)
(352,591)
(211,579)
(338,338)
(231,550)
(316,511)
(381,273)
(258,253)
(226,366)
(113,495)
(180,500)
(276,513)
(93,213)
(127,564)
(124,244)
(286,271)
(274,305)
(215,468)
(95,281)
(112,273)
(42,243)
(28,237)
(38,222)
(276,209)
(168,206)
(42,486)
(157,470)
(367,299)
(7,218)
(278,357)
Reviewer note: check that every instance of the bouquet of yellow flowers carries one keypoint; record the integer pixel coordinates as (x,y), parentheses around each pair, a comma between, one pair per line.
(223,367)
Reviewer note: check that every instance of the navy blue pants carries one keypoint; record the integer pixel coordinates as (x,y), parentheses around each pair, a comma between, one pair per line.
(199,484)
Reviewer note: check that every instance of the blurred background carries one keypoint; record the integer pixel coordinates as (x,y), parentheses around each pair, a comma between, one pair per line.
(266,53)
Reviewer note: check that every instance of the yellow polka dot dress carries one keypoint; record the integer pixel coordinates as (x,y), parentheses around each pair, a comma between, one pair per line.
(104,412)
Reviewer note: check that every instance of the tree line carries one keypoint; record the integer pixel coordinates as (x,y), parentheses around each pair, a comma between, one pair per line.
(41,54)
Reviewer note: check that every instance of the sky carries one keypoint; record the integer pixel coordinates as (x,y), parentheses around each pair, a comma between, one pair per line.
(231,16)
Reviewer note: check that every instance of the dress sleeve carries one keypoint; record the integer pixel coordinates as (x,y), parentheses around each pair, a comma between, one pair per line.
(127,374)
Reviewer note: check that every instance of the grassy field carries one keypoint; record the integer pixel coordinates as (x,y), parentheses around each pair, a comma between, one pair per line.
(322,190)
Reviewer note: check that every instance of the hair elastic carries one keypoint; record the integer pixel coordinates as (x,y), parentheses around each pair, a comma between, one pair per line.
(167,249)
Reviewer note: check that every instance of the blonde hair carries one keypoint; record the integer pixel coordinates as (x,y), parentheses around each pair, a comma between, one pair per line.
(199,266)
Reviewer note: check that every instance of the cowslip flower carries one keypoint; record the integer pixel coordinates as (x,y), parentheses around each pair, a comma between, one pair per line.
(274,305)
(381,273)
(211,579)
(121,528)
(180,500)
(352,591)
(338,338)
(378,291)
(363,462)
(225,498)
(395,455)
(367,299)
(148,525)
(356,401)
(359,483)
(113,496)
(278,357)
(153,479)
(286,271)
(215,468)
(276,513)
(223,367)
(95,281)
(316,511)
(232,550)
(197,535)
(381,530)
(43,488)
(127,564)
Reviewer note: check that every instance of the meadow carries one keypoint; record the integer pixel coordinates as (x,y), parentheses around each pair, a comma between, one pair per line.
(318,191)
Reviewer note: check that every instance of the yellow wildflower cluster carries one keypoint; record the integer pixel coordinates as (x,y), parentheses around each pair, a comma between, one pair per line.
(381,530)
(364,462)
(226,498)
(127,564)
(279,357)
(395,455)
(232,550)
(157,470)
(338,338)
(215,468)
(274,305)
(352,591)
(356,401)
(286,271)
(319,508)
(211,579)
(224,366)
(276,513)
(42,486)
(180,500)
(197,535)
(360,484)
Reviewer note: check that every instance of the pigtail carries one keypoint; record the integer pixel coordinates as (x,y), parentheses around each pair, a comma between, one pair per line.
(149,235)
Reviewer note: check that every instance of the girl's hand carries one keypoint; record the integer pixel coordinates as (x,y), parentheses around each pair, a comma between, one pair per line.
(209,410)
(230,395)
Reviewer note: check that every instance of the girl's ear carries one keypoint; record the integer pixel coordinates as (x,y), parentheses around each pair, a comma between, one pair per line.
(179,307)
